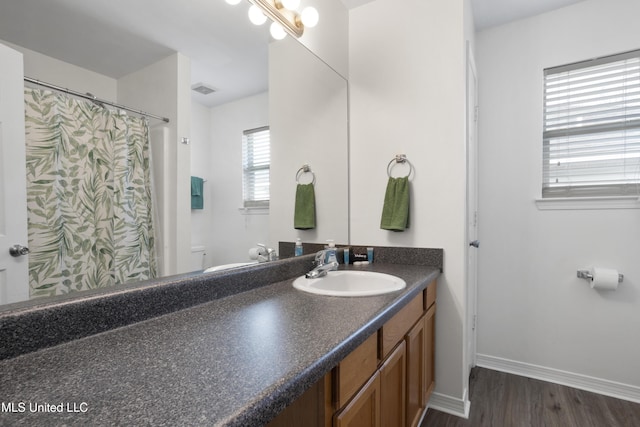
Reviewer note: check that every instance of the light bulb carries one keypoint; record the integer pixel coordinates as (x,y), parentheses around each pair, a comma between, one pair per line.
(309,17)
(233,2)
(290,4)
(277,32)
(256,16)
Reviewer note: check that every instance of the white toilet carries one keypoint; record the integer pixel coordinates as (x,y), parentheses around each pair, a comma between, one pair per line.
(197,258)
(198,261)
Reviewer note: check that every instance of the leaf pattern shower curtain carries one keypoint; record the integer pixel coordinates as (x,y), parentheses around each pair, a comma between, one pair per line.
(89,207)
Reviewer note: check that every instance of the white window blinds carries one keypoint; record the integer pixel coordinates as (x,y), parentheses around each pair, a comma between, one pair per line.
(592,128)
(256,160)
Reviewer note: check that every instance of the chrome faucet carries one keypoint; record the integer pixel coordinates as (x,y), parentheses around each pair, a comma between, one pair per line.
(269,254)
(321,269)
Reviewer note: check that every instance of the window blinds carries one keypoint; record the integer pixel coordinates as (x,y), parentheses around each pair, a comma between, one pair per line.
(256,160)
(592,128)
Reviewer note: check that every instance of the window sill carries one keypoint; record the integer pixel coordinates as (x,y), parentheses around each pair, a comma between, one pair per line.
(585,203)
(254,210)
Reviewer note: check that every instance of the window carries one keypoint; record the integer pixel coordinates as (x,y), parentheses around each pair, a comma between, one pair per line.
(256,159)
(592,128)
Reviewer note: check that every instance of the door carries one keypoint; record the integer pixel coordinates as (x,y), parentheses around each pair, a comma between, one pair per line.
(472,208)
(13,198)
(393,380)
(429,354)
(416,374)
(364,409)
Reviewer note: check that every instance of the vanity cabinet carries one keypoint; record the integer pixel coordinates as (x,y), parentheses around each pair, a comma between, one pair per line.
(385,382)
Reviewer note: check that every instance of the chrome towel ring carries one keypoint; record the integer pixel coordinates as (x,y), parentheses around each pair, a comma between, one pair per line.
(399,158)
(305,169)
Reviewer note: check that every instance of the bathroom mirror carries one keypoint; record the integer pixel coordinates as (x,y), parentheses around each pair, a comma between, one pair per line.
(140,17)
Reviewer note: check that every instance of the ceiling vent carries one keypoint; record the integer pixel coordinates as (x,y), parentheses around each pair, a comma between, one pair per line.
(203,88)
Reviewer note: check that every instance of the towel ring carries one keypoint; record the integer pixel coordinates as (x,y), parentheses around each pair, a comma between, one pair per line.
(305,169)
(399,158)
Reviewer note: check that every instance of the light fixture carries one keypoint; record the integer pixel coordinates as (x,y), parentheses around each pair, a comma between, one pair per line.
(290,4)
(233,2)
(276,31)
(256,16)
(309,17)
(283,13)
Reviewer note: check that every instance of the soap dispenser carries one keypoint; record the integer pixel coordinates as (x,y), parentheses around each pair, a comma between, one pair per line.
(330,252)
(298,250)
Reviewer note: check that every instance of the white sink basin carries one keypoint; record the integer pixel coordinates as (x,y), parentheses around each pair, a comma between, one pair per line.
(227,266)
(350,283)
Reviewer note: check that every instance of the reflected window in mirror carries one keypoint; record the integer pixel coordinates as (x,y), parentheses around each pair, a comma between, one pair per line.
(256,163)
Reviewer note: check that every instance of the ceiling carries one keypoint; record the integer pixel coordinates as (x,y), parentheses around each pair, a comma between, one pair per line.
(490,13)
(117,37)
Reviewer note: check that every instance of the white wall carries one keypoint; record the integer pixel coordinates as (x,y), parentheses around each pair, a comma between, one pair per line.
(201,166)
(230,232)
(534,315)
(164,89)
(308,108)
(328,40)
(63,74)
(407,95)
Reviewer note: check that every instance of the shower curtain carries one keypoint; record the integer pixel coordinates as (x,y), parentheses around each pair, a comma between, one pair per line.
(88,195)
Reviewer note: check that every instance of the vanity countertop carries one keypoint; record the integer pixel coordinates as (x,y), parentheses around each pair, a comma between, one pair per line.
(235,361)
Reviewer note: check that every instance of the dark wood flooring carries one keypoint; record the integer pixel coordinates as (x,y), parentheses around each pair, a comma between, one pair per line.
(505,400)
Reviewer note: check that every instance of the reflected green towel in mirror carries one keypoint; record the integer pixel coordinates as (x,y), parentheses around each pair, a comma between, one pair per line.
(304,217)
(395,211)
(197,199)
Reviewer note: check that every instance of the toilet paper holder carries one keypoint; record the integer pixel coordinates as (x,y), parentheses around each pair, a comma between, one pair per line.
(586,274)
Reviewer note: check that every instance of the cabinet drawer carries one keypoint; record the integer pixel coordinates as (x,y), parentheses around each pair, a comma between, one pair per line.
(395,329)
(430,294)
(356,369)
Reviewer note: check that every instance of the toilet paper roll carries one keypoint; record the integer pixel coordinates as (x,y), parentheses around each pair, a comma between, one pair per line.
(604,279)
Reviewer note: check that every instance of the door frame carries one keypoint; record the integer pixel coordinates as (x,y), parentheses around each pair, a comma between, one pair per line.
(14,283)
(471,228)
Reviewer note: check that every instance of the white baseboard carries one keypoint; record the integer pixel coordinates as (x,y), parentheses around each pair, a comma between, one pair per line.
(450,405)
(582,382)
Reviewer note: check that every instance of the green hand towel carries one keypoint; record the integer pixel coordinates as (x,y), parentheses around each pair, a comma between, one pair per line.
(395,211)
(197,199)
(304,217)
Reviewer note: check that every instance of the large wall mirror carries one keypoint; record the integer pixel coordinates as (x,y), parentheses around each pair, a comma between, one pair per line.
(112,49)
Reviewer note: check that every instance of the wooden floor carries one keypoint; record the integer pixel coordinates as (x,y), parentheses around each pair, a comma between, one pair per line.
(506,400)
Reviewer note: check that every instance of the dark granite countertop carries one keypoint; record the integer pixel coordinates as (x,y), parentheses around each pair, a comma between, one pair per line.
(236,361)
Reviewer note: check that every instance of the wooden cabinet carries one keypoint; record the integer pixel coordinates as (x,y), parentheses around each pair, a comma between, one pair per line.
(393,380)
(396,328)
(379,403)
(364,409)
(416,369)
(355,370)
(429,353)
(385,382)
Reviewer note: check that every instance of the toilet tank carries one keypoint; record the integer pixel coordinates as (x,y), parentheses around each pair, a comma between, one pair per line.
(197,257)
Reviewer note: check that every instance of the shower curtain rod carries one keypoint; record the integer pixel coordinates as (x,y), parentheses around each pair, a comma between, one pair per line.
(93,98)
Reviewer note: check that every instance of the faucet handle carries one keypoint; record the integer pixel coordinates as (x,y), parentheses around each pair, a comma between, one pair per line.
(320,257)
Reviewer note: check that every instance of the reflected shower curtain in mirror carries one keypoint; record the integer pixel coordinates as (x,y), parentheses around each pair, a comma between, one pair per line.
(88,195)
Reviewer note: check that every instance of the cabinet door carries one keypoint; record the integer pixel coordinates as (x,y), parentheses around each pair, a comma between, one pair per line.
(415,340)
(429,353)
(312,409)
(393,388)
(364,409)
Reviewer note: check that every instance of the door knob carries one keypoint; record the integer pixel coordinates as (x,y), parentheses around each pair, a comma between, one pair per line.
(18,250)
(475,243)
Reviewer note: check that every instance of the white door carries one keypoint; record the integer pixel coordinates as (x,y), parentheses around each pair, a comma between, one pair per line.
(472,207)
(13,197)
